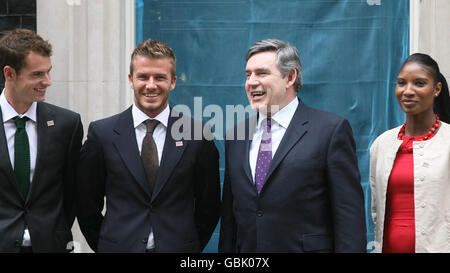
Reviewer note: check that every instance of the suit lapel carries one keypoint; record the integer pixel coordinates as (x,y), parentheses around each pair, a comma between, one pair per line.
(246,163)
(126,145)
(44,137)
(173,150)
(241,136)
(5,161)
(251,125)
(297,128)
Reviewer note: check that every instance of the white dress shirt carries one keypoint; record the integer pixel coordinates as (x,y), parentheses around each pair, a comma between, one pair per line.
(159,135)
(8,113)
(280,122)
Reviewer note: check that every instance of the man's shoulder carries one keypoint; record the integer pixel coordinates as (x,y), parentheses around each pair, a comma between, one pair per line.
(324,117)
(110,122)
(59,111)
(242,130)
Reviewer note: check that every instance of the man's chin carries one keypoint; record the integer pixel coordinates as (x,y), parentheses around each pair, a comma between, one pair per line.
(152,110)
(40,99)
(264,109)
(259,107)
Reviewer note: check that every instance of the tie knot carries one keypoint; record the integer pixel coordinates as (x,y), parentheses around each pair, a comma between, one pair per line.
(151,125)
(267,124)
(20,122)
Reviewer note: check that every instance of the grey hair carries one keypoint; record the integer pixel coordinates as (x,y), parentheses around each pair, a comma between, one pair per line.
(287,57)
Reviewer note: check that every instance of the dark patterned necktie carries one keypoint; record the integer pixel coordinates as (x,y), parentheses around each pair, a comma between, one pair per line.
(264,155)
(22,156)
(149,154)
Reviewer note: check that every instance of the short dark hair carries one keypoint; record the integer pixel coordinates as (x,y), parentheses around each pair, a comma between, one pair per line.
(442,102)
(287,57)
(17,44)
(154,49)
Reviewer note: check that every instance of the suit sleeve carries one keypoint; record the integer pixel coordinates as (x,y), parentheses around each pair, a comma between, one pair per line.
(70,170)
(227,240)
(207,191)
(90,188)
(346,194)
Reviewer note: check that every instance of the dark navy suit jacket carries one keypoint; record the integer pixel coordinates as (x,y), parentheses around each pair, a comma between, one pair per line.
(183,209)
(312,200)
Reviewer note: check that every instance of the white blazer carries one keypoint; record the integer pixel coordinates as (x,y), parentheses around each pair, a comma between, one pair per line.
(431,187)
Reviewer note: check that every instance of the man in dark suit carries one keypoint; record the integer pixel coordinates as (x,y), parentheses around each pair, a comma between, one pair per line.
(162,191)
(39,148)
(292,184)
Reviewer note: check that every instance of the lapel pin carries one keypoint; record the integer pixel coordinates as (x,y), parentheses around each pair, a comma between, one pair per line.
(179,143)
(50,123)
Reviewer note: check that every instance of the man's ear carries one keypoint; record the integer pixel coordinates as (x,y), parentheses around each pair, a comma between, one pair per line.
(9,73)
(174,81)
(291,78)
(130,81)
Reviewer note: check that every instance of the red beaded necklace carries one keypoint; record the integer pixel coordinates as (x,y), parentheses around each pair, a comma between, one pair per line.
(404,147)
(427,135)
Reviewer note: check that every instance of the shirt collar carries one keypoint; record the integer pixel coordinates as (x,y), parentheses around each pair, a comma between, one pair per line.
(282,117)
(140,117)
(9,112)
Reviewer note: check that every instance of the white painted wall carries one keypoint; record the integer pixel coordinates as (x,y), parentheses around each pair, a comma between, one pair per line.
(92,43)
(430,31)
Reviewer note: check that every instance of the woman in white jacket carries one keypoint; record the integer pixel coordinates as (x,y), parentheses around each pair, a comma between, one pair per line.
(410,165)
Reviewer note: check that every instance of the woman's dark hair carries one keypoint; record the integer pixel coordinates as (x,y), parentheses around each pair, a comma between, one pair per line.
(442,102)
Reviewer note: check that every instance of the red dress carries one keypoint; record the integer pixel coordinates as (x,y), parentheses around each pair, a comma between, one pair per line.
(399,224)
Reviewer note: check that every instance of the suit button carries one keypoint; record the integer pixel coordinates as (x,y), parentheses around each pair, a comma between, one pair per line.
(259,213)
(17,243)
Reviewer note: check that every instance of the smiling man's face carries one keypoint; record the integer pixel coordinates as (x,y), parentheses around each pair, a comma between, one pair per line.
(31,83)
(266,87)
(152,81)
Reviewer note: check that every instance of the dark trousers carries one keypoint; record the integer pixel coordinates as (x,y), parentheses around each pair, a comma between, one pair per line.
(26,249)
